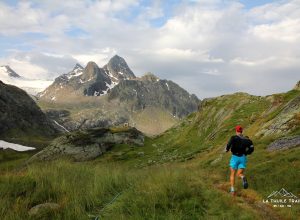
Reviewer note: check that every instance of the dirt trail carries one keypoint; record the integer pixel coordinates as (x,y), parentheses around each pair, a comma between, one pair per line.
(250,197)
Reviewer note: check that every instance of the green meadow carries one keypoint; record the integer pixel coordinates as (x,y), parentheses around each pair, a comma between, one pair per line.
(180,174)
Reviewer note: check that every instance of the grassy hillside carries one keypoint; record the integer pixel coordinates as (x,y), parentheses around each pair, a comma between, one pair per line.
(88,111)
(153,120)
(200,139)
(181,174)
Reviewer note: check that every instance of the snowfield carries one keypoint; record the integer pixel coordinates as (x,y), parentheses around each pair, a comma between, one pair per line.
(16,147)
(31,86)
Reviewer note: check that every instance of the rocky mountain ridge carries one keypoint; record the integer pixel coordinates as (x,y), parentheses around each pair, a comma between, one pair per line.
(113,95)
(6,69)
(89,81)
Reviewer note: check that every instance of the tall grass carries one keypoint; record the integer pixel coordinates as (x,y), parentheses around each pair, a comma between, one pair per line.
(111,191)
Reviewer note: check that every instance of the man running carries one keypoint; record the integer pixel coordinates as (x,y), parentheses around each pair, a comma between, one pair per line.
(240,147)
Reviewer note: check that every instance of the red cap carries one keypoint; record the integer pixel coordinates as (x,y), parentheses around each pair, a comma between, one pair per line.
(239,129)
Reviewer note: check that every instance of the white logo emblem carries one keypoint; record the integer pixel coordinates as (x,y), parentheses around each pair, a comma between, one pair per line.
(282,198)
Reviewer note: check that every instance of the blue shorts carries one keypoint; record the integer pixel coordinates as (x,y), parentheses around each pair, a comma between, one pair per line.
(238,162)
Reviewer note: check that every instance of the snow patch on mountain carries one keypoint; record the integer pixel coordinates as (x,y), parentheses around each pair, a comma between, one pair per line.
(16,147)
(113,78)
(104,92)
(61,126)
(167,86)
(81,81)
(77,71)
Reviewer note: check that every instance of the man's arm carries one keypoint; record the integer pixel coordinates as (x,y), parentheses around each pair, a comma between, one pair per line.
(229,145)
(250,149)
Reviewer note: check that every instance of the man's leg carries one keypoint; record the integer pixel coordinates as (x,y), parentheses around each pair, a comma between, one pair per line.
(232,177)
(240,173)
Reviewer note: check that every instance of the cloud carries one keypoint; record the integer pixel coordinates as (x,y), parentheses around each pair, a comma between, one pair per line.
(287,30)
(37,65)
(24,18)
(208,47)
(25,69)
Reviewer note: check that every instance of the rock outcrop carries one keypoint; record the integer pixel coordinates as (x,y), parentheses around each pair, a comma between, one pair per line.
(284,143)
(285,121)
(297,86)
(88,144)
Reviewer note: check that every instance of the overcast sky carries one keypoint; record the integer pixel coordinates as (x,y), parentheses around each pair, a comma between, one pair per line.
(209,47)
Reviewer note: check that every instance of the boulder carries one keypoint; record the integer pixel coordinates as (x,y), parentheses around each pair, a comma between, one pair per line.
(43,210)
(89,144)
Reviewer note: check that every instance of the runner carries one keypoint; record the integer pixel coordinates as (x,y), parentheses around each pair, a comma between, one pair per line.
(240,147)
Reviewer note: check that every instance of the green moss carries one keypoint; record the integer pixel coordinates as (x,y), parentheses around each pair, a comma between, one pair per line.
(78,138)
(119,129)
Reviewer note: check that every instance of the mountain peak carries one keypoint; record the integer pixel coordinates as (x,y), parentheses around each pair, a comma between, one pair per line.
(77,71)
(118,69)
(77,66)
(91,64)
(116,60)
(6,69)
(116,57)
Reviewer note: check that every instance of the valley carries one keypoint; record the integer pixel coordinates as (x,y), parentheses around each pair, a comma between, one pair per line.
(179,174)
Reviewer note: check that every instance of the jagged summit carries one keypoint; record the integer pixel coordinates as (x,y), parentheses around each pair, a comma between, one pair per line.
(89,81)
(77,71)
(118,69)
(91,69)
(116,57)
(7,70)
(117,60)
(77,66)
(91,64)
